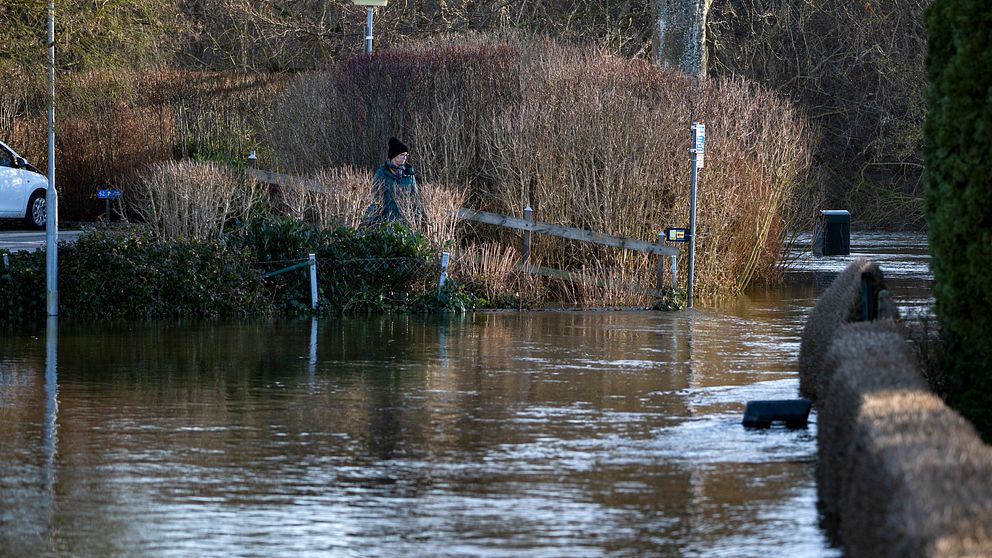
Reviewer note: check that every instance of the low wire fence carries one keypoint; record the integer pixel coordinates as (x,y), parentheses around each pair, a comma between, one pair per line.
(354,284)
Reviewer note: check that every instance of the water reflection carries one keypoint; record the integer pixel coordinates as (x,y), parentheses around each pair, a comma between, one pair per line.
(494,434)
(50,443)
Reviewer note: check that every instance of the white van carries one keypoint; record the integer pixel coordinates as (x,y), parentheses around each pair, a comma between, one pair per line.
(22,189)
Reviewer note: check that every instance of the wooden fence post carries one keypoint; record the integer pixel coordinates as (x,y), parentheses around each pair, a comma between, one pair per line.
(660,283)
(529,217)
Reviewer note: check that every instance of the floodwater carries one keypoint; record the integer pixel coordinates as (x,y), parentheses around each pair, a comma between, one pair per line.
(490,434)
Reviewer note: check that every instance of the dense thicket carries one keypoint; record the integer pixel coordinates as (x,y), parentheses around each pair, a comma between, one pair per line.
(263,36)
(857,67)
(586,140)
(958,148)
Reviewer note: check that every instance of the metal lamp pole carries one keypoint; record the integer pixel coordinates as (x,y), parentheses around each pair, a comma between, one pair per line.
(368,25)
(368,30)
(51,197)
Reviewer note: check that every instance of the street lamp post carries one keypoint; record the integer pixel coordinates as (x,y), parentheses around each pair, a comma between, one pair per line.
(51,196)
(369,4)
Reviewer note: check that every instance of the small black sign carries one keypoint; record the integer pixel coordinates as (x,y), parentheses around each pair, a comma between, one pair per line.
(676,235)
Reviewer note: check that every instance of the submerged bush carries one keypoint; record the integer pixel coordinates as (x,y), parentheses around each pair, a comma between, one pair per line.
(22,286)
(370,269)
(130,275)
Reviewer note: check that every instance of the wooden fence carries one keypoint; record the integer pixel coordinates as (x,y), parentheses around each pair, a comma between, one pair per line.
(530,226)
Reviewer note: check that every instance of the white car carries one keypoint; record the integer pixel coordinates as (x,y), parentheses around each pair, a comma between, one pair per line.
(22,189)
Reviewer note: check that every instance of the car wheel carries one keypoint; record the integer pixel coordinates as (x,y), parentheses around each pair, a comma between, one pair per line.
(37,212)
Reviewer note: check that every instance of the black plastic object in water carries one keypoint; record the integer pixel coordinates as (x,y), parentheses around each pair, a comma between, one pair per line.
(761,414)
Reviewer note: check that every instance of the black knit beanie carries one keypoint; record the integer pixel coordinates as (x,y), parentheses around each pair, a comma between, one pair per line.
(395,148)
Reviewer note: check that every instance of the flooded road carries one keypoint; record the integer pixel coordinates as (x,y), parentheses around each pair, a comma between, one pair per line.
(490,434)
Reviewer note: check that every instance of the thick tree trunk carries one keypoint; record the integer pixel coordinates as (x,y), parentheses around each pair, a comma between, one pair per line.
(680,34)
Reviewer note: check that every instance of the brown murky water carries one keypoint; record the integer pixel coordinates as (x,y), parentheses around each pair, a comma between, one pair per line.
(493,434)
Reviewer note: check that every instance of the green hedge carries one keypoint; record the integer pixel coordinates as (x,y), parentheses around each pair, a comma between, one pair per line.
(958,155)
(127,274)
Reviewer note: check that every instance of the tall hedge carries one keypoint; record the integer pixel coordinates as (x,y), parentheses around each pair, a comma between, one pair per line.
(958,155)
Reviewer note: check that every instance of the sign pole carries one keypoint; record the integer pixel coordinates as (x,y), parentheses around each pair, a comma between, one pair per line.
(692,234)
(698,140)
(368,31)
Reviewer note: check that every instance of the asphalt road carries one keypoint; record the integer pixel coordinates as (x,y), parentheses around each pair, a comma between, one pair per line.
(31,240)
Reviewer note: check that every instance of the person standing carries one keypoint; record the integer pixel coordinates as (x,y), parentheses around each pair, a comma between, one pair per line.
(393,179)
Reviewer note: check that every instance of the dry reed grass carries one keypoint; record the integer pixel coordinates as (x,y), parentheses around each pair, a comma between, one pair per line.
(189,200)
(600,287)
(432,211)
(493,271)
(586,140)
(331,197)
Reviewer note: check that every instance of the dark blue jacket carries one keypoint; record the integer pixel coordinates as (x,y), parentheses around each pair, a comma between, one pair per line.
(388,181)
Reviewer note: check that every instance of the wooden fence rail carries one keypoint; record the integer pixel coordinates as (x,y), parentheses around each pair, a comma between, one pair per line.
(567,232)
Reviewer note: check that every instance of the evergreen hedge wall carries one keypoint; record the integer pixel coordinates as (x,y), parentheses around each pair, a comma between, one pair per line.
(958,175)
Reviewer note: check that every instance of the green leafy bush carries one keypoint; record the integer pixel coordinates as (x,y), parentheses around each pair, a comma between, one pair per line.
(131,275)
(958,153)
(378,269)
(127,275)
(274,243)
(22,286)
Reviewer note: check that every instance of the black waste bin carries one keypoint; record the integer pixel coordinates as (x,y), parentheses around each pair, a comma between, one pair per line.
(835,233)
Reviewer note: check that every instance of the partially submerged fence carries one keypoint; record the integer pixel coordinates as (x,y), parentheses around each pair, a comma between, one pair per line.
(530,226)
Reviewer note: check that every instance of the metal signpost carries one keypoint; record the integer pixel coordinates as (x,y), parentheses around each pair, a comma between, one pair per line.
(108,194)
(698,146)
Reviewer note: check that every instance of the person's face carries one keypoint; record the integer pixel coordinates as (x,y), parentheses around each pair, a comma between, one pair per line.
(400,159)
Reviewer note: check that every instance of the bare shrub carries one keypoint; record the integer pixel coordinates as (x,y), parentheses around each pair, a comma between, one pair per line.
(189,200)
(858,68)
(112,123)
(432,211)
(331,197)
